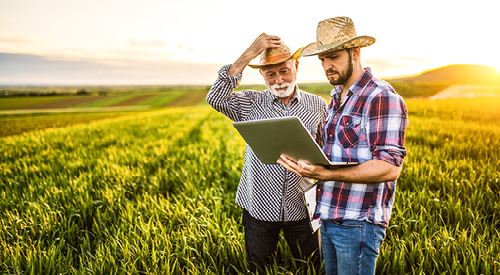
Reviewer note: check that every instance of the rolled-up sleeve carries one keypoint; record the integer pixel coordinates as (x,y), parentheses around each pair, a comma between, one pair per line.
(222,98)
(388,119)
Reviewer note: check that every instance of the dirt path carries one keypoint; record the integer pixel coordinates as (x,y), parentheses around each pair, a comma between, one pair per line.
(133,100)
(75,110)
(64,103)
(189,99)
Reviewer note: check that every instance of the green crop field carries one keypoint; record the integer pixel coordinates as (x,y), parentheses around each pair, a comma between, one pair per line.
(18,124)
(153,193)
(16,102)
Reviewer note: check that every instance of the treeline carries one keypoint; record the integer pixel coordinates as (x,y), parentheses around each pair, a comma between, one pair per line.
(38,92)
(20,91)
(405,88)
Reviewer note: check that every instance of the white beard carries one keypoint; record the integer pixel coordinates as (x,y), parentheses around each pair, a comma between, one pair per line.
(281,93)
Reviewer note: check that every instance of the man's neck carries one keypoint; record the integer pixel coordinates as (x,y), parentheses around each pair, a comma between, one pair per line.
(355,75)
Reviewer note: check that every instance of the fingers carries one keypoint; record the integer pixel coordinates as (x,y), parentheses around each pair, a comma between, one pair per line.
(269,37)
(301,168)
(265,41)
(289,164)
(272,41)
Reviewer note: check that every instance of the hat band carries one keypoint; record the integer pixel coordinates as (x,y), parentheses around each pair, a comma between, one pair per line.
(276,57)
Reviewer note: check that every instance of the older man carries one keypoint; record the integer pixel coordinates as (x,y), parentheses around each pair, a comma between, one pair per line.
(366,123)
(271,196)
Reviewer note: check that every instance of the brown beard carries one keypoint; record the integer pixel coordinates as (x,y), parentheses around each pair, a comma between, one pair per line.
(342,77)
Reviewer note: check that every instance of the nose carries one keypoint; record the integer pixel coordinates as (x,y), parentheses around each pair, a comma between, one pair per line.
(327,65)
(279,80)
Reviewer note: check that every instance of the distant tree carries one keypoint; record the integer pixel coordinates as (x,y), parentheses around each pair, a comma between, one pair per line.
(82,92)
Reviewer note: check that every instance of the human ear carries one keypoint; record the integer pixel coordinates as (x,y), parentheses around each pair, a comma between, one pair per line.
(355,53)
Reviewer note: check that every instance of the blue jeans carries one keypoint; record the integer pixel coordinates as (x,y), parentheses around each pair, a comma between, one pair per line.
(261,241)
(350,247)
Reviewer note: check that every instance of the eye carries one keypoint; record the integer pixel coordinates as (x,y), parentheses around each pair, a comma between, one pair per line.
(328,57)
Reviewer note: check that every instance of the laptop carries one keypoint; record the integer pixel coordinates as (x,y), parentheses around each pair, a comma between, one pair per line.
(269,138)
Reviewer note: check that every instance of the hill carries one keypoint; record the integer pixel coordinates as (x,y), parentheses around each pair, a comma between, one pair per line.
(432,82)
(429,83)
(460,74)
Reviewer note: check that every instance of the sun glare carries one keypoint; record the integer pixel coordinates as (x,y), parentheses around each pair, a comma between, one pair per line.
(497,68)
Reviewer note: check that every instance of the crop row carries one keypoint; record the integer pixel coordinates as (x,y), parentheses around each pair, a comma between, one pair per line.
(119,196)
(154,100)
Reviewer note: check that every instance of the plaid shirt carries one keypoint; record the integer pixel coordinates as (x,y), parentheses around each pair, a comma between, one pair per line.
(369,124)
(268,192)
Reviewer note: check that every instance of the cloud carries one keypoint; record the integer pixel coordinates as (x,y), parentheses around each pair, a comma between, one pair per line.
(26,69)
(15,44)
(183,47)
(15,40)
(125,68)
(147,43)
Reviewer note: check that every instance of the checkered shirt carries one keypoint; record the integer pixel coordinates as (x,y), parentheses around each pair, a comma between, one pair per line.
(369,124)
(268,192)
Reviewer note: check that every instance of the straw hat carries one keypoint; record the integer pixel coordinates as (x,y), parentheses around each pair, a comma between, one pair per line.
(278,55)
(335,34)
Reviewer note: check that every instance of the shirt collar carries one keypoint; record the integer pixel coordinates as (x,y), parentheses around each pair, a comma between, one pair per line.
(298,93)
(356,86)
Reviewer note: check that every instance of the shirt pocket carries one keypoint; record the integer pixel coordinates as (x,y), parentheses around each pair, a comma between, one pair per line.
(349,131)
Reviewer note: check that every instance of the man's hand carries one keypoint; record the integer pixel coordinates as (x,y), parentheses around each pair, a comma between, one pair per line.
(261,43)
(303,168)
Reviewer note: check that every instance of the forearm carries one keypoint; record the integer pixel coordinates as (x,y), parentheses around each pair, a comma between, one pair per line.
(239,65)
(373,171)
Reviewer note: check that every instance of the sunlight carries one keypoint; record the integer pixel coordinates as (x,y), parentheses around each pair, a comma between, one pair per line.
(497,68)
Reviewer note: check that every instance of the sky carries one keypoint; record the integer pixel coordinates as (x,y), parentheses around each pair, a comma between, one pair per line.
(163,42)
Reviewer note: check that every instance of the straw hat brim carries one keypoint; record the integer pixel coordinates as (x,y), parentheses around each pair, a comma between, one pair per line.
(295,55)
(356,42)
